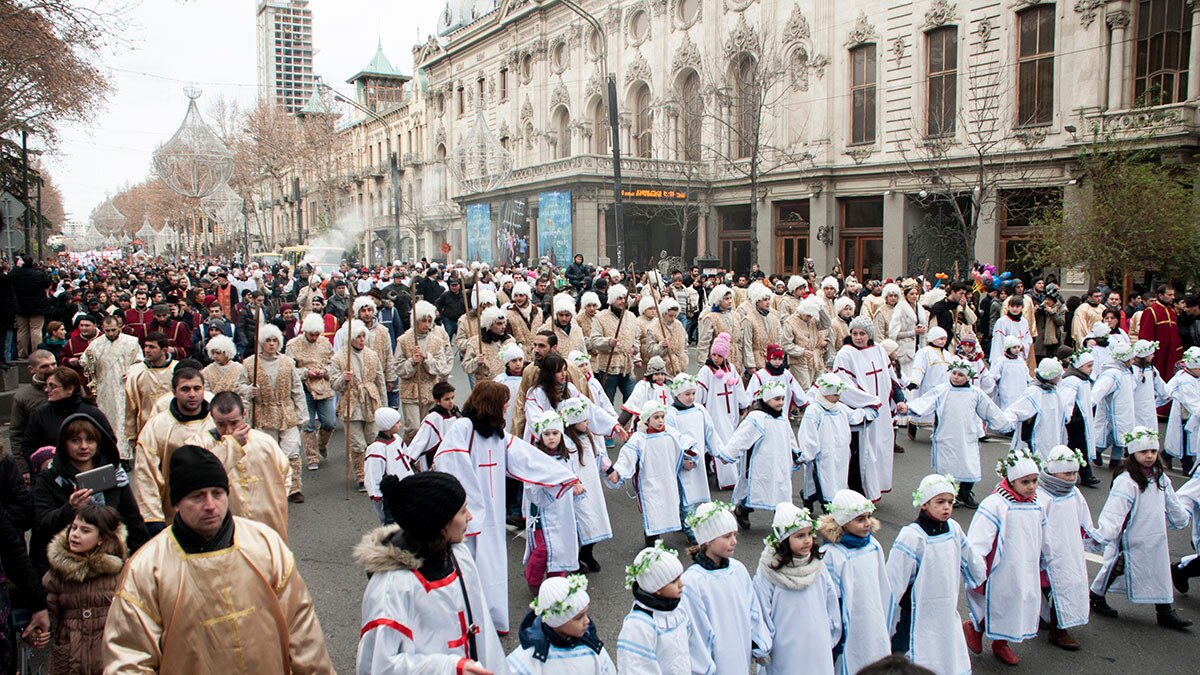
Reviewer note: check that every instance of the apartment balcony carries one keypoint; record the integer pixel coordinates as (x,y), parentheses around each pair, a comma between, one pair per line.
(1176,119)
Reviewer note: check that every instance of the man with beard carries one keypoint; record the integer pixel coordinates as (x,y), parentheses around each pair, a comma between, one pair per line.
(252,316)
(140,314)
(614,339)
(1160,323)
(179,338)
(1087,315)
(108,360)
(85,331)
(312,353)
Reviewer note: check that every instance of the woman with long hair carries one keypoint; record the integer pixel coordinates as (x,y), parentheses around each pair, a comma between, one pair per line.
(65,394)
(551,390)
(907,326)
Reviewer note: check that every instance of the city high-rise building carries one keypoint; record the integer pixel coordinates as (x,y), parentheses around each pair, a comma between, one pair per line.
(285,53)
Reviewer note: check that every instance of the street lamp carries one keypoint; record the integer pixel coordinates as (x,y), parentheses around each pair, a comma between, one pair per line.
(393,160)
(618,206)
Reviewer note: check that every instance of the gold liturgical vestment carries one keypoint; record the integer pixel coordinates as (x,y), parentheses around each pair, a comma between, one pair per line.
(161,436)
(259,475)
(243,609)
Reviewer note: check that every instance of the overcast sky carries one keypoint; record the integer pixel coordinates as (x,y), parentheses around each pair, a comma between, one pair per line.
(211,43)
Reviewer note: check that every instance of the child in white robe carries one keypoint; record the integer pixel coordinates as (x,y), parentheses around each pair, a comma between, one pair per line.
(1039,412)
(766,453)
(1068,521)
(595,390)
(718,594)
(1188,567)
(557,635)
(776,370)
(551,537)
(692,421)
(653,387)
(589,460)
(385,456)
(514,367)
(654,457)
(1012,325)
(824,439)
(929,369)
(800,613)
(969,351)
(1149,390)
(1182,438)
(657,637)
(1112,394)
(1008,531)
(1133,527)
(1075,392)
(722,394)
(424,444)
(959,409)
(856,566)
(1011,373)
(927,559)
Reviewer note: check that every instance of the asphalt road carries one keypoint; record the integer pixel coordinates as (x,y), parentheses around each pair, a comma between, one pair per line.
(325,528)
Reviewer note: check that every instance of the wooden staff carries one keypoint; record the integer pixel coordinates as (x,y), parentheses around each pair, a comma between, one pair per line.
(416,346)
(661,324)
(254,399)
(348,388)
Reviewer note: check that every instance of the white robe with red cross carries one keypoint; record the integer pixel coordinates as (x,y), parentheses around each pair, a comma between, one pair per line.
(869,372)
(724,403)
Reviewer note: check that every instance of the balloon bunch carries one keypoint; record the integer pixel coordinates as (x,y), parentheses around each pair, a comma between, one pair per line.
(985,277)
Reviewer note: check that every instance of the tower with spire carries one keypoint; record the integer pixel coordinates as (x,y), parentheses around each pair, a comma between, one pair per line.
(379,85)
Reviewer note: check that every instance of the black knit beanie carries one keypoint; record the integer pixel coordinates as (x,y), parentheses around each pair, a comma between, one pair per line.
(194,468)
(424,503)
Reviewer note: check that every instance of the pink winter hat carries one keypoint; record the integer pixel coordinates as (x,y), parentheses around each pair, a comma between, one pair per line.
(720,345)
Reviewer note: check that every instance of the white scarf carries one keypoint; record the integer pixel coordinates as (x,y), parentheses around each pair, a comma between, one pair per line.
(794,577)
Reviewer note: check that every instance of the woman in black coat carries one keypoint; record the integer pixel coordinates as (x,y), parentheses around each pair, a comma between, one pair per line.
(83,445)
(64,397)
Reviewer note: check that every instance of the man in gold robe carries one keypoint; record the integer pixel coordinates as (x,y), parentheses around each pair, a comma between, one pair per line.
(216,593)
(145,383)
(259,472)
(185,416)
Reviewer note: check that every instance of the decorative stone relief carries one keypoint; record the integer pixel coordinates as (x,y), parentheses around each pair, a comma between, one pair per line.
(1031,138)
(504,132)
(1119,19)
(526,109)
(899,47)
(632,13)
(612,20)
(985,30)
(680,22)
(658,6)
(861,154)
(796,30)
(941,13)
(687,55)
(736,5)
(1087,10)
(862,33)
(638,69)
(560,97)
(742,39)
(439,138)
(595,86)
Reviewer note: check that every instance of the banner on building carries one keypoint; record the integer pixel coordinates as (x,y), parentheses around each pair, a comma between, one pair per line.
(554,227)
(479,232)
(512,233)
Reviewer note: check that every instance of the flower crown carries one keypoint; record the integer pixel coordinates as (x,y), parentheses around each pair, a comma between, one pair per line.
(575,584)
(831,382)
(918,497)
(964,366)
(548,420)
(639,567)
(833,508)
(1078,353)
(1154,345)
(1010,460)
(1076,455)
(1132,436)
(695,519)
(681,381)
(573,409)
(802,520)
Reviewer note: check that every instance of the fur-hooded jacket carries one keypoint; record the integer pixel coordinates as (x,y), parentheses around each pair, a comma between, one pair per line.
(380,551)
(106,560)
(79,590)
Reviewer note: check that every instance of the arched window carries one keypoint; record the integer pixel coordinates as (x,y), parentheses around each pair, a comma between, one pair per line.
(600,127)
(562,129)
(747,104)
(692,107)
(643,122)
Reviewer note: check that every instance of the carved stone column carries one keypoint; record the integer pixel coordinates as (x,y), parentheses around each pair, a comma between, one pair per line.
(1193,91)
(1118,72)
(602,234)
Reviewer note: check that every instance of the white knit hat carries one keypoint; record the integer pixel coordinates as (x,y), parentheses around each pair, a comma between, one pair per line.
(682,384)
(563,302)
(549,421)
(772,389)
(789,519)
(1063,460)
(578,358)
(1018,464)
(490,316)
(652,408)
(864,324)
(521,288)
(646,303)
(617,291)
(575,410)
(1139,439)
(936,333)
(1082,357)
(1049,368)
(842,304)
(1099,330)
(1191,357)
(831,282)
(932,486)
(386,418)
(511,352)
(221,344)
(1011,341)
(890,346)
(425,310)
(712,520)
(829,384)
(589,299)
(759,292)
(1144,349)
(653,568)
(848,505)
(269,331)
(561,599)
(656,365)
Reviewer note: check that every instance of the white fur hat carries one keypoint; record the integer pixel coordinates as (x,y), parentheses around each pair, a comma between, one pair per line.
(772,389)
(789,519)
(269,331)
(646,303)
(1139,439)
(932,486)
(932,297)
(511,352)
(667,305)
(1063,460)
(522,288)
(796,282)
(712,520)
(561,599)
(892,289)
(810,306)
(490,316)
(617,291)
(759,292)
(363,301)
(386,418)
(220,344)
(578,358)
(1049,368)
(842,304)
(424,309)
(485,296)
(831,282)
(575,410)
(653,568)
(1011,341)
(1099,330)
(1018,464)
(1191,357)
(313,323)
(358,329)
(718,293)
(563,302)
(1144,349)
(589,299)
(936,333)
(848,505)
